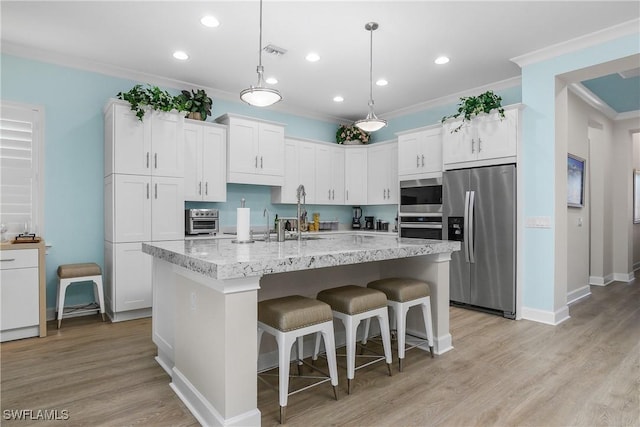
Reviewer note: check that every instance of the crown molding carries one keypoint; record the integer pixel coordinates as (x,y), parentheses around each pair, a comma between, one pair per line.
(129,74)
(596,102)
(588,40)
(453,98)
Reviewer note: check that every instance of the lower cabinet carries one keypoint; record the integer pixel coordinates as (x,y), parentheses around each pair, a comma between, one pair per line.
(19,294)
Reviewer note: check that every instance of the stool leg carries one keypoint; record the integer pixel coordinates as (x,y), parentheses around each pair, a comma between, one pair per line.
(367,324)
(62,290)
(330,348)
(351,327)
(285,343)
(299,354)
(401,324)
(260,332)
(428,323)
(316,349)
(383,319)
(99,294)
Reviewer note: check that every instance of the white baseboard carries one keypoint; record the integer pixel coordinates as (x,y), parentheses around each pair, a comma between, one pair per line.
(202,409)
(601,281)
(546,317)
(623,277)
(578,294)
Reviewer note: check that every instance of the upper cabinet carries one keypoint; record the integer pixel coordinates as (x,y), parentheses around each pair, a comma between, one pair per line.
(151,147)
(382,174)
(420,153)
(205,161)
(355,175)
(486,140)
(255,151)
(330,174)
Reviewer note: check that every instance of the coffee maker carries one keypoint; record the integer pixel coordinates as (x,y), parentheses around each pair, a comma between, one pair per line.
(368,223)
(357,215)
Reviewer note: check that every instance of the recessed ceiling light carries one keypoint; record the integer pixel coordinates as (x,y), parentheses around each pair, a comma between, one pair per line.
(181,55)
(338,98)
(210,21)
(382,82)
(441,60)
(271,80)
(312,57)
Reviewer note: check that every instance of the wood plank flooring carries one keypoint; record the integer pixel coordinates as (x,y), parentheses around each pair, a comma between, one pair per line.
(584,372)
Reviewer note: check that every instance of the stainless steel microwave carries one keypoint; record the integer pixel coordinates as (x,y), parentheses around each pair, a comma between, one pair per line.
(420,210)
(201,221)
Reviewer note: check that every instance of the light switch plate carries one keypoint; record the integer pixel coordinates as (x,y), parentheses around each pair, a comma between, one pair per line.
(538,222)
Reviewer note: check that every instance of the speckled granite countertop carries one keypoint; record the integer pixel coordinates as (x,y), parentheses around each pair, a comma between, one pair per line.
(223,259)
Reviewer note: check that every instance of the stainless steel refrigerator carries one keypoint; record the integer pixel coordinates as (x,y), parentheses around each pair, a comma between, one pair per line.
(479,210)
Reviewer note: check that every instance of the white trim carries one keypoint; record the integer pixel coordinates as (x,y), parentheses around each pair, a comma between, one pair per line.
(203,411)
(578,294)
(628,115)
(582,42)
(453,98)
(601,281)
(624,277)
(596,102)
(546,317)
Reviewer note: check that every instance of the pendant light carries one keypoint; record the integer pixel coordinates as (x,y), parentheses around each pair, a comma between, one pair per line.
(371,123)
(260,96)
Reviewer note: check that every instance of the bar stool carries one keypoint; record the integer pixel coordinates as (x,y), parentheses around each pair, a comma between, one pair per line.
(352,304)
(69,274)
(402,294)
(288,319)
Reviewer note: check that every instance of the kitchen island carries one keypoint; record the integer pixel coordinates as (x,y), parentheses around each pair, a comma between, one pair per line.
(205,295)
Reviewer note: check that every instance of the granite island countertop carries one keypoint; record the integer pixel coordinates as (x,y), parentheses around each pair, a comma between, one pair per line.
(223,259)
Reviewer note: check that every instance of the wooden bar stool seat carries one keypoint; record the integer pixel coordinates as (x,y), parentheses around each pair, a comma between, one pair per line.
(402,294)
(288,319)
(352,304)
(69,274)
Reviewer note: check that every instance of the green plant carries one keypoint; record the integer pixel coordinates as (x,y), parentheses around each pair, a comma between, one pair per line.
(471,106)
(151,96)
(351,133)
(195,102)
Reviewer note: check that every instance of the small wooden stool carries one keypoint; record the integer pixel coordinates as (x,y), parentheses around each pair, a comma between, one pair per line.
(288,319)
(73,273)
(402,294)
(352,304)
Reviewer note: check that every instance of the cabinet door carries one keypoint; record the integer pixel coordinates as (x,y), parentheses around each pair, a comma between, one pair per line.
(337,176)
(243,146)
(214,164)
(286,193)
(323,173)
(18,298)
(431,151)
(270,156)
(497,137)
(392,184)
(167,218)
(167,144)
(193,162)
(458,146)
(131,144)
(378,173)
(132,208)
(307,171)
(408,153)
(355,160)
(131,277)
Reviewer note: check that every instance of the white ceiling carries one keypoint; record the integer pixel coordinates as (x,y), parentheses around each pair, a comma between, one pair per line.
(140,36)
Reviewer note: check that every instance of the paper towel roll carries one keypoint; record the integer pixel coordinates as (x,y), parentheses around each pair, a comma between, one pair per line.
(243,224)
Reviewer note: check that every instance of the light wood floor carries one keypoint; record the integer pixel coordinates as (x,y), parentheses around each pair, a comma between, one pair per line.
(584,372)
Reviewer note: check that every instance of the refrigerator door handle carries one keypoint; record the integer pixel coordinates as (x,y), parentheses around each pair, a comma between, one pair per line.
(472,244)
(465,234)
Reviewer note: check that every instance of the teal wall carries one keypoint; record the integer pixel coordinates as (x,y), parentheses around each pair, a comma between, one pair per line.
(538,94)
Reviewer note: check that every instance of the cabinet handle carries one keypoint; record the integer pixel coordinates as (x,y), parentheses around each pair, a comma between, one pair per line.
(156,191)
(347,194)
(423,160)
(333,194)
(256,162)
(147,160)
(147,191)
(329,194)
(7,259)
(206,188)
(417,161)
(473,145)
(479,144)
(200,188)
(260,162)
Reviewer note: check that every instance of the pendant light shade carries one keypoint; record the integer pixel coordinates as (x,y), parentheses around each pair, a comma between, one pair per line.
(260,96)
(371,123)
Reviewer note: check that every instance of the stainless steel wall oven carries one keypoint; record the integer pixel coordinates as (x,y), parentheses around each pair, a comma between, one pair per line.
(420,210)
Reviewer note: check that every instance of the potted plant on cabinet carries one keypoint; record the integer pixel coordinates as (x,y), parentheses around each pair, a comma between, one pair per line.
(196,103)
(151,96)
(351,135)
(471,106)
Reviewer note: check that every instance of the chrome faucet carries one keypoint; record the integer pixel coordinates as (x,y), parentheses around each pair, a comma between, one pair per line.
(267,233)
(301,194)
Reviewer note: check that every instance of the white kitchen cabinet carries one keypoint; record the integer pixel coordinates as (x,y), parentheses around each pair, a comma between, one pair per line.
(382,172)
(420,153)
(330,174)
(150,147)
(205,161)
(286,193)
(19,294)
(355,175)
(486,140)
(306,172)
(255,151)
(130,268)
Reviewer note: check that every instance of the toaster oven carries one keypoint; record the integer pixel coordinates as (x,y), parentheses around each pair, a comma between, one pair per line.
(201,221)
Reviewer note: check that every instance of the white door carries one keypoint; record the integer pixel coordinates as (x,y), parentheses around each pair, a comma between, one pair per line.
(287,192)
(458,146)
(379,162)
(132,208)
(431,151)
(214,164)
(132,277)
(392,183)
(270,159)
(19,298)
(193,162)
(497,137)
(167,144)
(337,176)
(167,216)
(355,176)
(243,146)
(307,170)
(408,153)
(132,142)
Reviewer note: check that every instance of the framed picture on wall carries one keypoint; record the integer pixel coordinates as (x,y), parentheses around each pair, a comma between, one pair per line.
(636,196)
(575,181)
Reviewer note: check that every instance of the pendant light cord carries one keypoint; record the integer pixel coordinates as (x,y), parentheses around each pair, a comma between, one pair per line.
(370,69)
(260,39)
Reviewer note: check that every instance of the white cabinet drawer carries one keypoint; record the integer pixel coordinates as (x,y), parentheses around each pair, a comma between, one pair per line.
(18,258)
